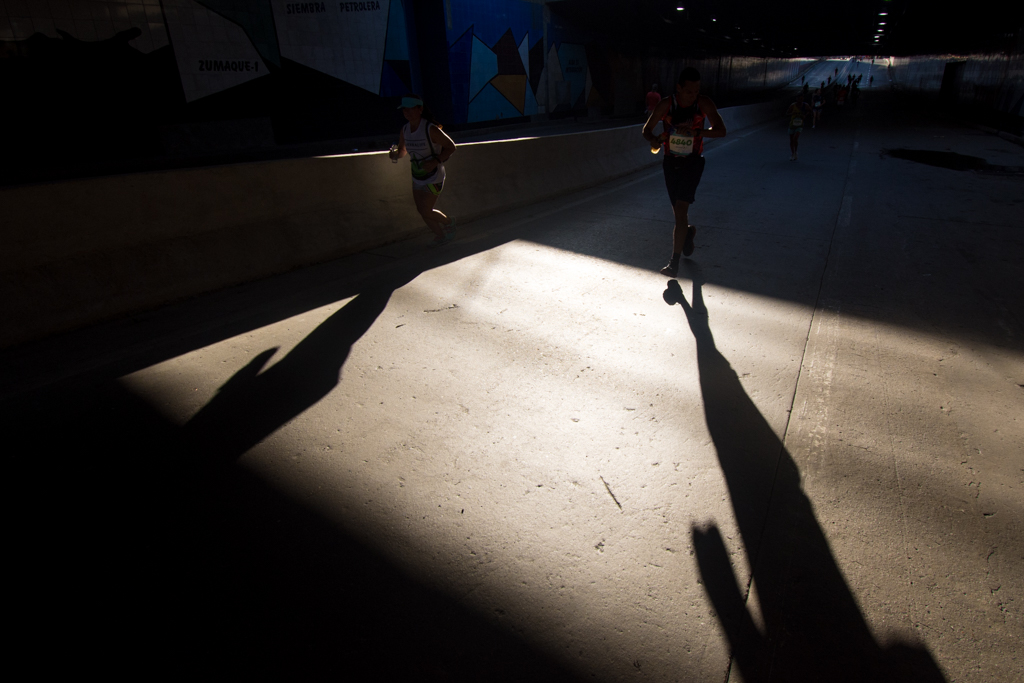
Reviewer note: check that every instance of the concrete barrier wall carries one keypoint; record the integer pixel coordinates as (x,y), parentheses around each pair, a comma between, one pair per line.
(994,81)
(82,251)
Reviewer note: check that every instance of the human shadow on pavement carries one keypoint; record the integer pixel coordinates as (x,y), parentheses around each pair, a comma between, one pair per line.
(813,628)
(255,402)
(149,557)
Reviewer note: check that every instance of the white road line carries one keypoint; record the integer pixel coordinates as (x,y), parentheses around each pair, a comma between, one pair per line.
(845,212)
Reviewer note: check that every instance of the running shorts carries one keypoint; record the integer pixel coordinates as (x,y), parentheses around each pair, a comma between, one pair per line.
(432,188)
(794,131)
(682,176)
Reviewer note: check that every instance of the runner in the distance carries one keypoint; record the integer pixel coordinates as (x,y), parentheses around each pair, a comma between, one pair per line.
(683,114)
(798,112)
(429,147)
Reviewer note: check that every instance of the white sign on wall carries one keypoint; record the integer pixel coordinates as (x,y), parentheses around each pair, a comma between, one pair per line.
(213,54)
(342,39)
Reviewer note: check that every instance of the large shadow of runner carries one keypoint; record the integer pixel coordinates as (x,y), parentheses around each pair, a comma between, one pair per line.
(254,403)
(814,630)
(157,547)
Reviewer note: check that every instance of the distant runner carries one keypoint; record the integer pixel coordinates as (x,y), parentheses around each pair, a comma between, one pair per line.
(683,114)
(817,103)
(798,112)
(429,147)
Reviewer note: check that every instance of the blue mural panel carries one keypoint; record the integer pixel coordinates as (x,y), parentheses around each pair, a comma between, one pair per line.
(531,102)
(483,68)
(398,39)
(391,83)
(460,56)
(490,105)
(490,19)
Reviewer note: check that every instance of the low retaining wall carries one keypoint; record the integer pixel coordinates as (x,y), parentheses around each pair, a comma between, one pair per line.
(993,81)
(81,251)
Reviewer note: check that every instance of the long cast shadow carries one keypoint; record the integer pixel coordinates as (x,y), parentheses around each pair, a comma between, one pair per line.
(152,558)
(253,404)
(814,630)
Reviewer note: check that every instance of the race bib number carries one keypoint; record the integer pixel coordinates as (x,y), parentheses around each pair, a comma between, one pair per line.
(797,122)
(680,144)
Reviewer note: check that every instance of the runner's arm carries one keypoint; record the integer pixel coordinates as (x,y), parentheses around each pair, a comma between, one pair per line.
(440,138)
(717,129)
(657,115)
(401,145)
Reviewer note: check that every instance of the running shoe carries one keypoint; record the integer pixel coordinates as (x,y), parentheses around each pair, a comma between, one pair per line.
(670,270)
(438,241)
(691,232)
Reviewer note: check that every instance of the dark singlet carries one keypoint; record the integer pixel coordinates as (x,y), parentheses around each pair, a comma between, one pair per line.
(684,143)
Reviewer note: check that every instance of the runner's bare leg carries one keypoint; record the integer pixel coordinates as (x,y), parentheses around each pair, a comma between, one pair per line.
(435,220)
(680,209)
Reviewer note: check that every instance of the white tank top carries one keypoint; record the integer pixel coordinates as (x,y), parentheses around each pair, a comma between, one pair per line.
(420,148)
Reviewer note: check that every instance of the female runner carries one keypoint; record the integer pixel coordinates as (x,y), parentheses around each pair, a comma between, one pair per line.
(428,148)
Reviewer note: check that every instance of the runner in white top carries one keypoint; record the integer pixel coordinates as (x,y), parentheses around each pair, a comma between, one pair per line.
(428,148)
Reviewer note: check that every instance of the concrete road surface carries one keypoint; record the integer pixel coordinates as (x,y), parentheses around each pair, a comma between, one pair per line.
(528,456)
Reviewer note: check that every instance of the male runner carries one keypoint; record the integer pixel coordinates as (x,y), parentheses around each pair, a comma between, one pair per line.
(683,115)
(798,112)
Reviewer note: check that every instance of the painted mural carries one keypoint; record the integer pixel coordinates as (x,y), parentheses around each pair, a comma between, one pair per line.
(501,66)
(220,44)
(342,39)
(505,59)
(213,52)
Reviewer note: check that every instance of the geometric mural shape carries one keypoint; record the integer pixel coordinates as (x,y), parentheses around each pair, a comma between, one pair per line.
(524,53)
(256,19)
(392,83)
(509,61)
(460,54)
(213,53)
(483,67)
(551,89)
(513,88)
(536,63)
(398,38)
(530,105)
(404,70)
(491,105)
(490,19)
(345,40)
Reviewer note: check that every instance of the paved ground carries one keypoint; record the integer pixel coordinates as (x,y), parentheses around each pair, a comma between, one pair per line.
(528,456)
